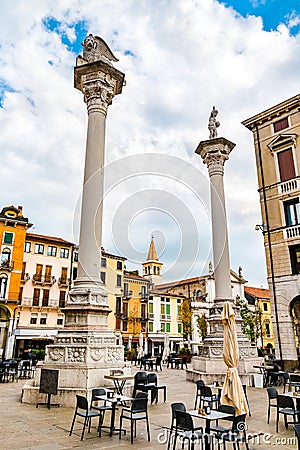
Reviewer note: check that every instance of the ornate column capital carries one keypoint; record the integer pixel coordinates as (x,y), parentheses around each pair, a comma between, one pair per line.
(214,153)
(98,89)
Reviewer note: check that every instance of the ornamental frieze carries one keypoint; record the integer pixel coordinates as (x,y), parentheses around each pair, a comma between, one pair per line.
(76,354)
(114,355)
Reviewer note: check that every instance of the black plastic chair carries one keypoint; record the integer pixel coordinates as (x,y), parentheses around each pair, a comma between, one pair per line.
(208,397)
(157,363)
(235,434)
(137,411)
(272,395)
(199,384)
(140,379)
(297,433)
(152,380)
(184,428)
(101,408)
(295,381)
(183,362)
(82,410)
(286,381)
(179,407)
(228,409)
(286,407)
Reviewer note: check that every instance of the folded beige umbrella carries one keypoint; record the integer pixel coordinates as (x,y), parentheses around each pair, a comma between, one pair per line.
(232,392)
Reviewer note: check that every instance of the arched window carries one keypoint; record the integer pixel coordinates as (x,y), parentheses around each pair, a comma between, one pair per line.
(3,285)
(5,256)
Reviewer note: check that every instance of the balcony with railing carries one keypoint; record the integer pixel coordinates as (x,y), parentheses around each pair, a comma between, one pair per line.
(24,277)
(144,296)
(63,282)
(127,295)
(43,280)
(7,265)
(286,187)
(292,232)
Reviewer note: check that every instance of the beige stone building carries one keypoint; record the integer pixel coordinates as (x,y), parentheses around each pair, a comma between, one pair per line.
(277,150)
(49,264)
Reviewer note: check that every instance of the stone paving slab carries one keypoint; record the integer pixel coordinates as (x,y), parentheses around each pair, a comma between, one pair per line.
(25,427)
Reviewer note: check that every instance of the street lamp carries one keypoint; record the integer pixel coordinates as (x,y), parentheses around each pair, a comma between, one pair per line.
(262,227)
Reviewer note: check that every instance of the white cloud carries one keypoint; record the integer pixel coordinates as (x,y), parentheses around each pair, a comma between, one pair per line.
(179,60)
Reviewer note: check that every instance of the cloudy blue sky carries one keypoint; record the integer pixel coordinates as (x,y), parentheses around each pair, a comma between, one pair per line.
(180,58)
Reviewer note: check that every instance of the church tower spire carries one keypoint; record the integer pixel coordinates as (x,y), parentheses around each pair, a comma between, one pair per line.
(152,267)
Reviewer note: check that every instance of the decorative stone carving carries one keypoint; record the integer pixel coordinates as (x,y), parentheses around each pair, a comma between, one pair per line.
(55,354)
(216,351)
(114,355)
(76,354)
(97,354)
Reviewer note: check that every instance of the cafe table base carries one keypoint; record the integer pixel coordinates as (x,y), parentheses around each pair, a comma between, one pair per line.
(115,400)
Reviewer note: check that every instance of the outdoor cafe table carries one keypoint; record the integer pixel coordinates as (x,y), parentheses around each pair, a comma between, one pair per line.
(119,381)
(115,400)
(212,416)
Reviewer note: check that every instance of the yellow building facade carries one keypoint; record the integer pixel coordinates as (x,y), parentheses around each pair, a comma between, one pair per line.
(13,228)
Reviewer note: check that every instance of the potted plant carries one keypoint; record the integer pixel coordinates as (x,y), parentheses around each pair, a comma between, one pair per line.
(185,351)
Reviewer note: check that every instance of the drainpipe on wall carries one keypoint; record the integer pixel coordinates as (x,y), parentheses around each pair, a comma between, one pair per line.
(269,241)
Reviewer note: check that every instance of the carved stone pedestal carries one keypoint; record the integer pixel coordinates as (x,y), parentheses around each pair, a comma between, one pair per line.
(83,352)
(209,365)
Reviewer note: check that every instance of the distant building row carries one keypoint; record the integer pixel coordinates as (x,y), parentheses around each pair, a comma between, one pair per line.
(36,272)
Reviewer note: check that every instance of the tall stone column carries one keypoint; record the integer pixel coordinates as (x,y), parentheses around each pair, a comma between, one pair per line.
(215,152)
(85,349)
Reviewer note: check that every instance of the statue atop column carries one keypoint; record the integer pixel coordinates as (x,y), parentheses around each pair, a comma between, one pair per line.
(213,124)
(95,49)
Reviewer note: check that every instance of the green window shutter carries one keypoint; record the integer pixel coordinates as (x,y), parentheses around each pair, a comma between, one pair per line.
(8,238)
(168,327)
(168,309)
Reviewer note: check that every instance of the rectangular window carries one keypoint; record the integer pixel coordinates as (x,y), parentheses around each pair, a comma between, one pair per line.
(295,258)
(118,306)
(52,250)
(126,289)
(20,294)
(8,238)
(125,325)
(62,299)
(119,265)
(39,249)
(43,320)
(265,306)
(179,328)
(179,307)
(38,272)
(45,301)
(150,326)
(150,308)
(268,331)
(75,256)
(119,280)
(163,327)
(27,247)
(143,311)
(168,327)
(48,272)
(292,212)
(64,253)
(281,124)
(33,319)
(74,273)
(125,309)
(36,297)
(103,262)
(64,275)
(103,277)
(60,321)
(286,164)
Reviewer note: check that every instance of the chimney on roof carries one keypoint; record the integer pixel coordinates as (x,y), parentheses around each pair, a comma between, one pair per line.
(20,208)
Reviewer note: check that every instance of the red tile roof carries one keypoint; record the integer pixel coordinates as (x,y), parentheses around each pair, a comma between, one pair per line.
(257,292)
(42,237)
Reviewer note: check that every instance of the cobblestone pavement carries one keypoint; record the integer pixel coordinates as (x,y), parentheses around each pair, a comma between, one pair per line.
(24,426)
